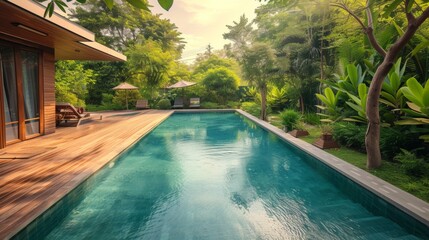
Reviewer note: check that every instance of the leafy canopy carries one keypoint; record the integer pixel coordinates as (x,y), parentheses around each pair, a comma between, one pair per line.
(140,4)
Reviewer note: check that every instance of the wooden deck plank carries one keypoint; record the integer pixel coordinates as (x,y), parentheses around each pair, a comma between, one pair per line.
(28,187)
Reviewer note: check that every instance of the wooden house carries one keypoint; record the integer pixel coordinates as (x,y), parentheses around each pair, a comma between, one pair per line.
(29,46)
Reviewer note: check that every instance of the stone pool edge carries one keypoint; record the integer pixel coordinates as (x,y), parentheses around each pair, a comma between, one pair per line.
(404,201)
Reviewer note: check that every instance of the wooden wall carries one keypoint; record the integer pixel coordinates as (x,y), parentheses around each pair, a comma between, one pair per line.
(49,90)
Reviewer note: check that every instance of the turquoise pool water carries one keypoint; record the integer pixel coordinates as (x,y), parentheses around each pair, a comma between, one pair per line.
(213,176)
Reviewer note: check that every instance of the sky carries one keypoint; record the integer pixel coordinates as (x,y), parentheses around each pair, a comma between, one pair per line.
(202,22)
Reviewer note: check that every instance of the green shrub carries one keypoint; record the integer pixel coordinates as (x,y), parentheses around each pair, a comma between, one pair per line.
(290,118)
(222,83)
(311,118)
(412,165)
(232,104)
(210,105)
(350,135)
(164,104)
(252,108)
(393,138)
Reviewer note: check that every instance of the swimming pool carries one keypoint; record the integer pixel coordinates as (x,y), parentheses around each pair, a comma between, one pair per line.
(216,176)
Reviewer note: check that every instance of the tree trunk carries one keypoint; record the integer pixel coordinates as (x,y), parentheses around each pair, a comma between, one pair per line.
(301,104)
(372,137)
(263,91)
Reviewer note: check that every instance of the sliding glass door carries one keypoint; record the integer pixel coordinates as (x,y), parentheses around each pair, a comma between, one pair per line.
(10,94)
(19,94)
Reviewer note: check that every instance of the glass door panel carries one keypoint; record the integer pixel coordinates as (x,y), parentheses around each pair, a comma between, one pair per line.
(10,96)
(30,83)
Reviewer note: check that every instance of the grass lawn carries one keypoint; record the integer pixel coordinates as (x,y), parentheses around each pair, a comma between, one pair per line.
(389,171)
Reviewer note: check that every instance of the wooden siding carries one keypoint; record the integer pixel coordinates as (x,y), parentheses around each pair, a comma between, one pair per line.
(58,162)
(49,91)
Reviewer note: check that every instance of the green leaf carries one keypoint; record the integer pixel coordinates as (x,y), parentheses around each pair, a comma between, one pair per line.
(353,74)
(413,107)
(60,5)
(410,5)
(411,121)
(109,3)
(387,103)
(141,4)
(322,98)
(362,90)
(412,113)
(330,96)
(389,98)
(49,9)
(166,4)
(425,138)
(398,28)
(355,99)
(390,7)
(355,119)
(395,81)
(419,47)
(425,95)
(355,107)
(387,87)
(321,107)
(415,88)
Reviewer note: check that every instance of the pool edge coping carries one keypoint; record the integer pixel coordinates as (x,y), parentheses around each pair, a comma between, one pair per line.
(404,201)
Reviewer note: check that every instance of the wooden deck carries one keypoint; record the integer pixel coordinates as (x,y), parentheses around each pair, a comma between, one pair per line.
(37,173)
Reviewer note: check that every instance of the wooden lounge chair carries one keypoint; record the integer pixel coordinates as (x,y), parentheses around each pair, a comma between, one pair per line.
(142,104)
(194,103)
(65,112)
(178,103)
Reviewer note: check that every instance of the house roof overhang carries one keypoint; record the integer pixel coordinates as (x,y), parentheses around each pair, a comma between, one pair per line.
(23,19)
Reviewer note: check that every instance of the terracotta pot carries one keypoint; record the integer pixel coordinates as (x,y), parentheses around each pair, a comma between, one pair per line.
(326,141)
(326,136)
(298,133)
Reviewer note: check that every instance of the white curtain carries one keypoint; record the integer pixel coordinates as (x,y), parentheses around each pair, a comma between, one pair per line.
(30,81)
(9,91)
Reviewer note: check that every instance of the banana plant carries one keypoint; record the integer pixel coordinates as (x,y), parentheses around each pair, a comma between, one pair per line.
(418,112)
(331,109)
(358,103)
(391,94)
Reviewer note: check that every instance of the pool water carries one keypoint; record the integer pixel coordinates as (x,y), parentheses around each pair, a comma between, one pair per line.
(213,176)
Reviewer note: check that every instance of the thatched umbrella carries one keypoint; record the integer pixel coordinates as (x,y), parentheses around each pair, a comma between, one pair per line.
(125,86)
(182,84)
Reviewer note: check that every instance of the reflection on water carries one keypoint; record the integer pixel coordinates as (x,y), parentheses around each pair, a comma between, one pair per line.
(216,176)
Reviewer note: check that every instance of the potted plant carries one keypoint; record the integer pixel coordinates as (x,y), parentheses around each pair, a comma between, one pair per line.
(289,118)
(326,140)
(291,122)
(298,130)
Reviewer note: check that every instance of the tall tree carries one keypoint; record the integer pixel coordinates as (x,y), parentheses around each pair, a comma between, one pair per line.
(142,36)
(240,34)
(259,66)
(150,65)
(410,9)
(415,14)
(296,34)
(71,82)
(122,26)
